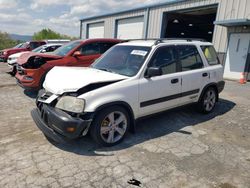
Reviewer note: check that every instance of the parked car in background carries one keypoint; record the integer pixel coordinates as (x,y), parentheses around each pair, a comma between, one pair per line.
(12,60)
(28,46)
(57,41)
(130,81)
(33,67)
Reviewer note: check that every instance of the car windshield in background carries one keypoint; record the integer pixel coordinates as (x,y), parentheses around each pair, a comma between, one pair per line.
(124,60)
(19,45)
(65,49)
(38,49)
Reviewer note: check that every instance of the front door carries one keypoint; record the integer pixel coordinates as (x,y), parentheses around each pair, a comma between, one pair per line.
(236,55)
(161,92)
(89,53)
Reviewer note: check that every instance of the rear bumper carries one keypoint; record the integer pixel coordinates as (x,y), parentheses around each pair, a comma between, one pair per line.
(220,86)
(54,123)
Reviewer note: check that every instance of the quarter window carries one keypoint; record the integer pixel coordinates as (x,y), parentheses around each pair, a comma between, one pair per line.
(210,55)
(165,58)
(189,57)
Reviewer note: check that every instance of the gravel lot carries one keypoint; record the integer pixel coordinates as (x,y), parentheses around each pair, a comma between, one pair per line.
(178,148)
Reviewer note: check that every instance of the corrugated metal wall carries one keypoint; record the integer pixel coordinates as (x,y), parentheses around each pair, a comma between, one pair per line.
(110,22)
(227,9)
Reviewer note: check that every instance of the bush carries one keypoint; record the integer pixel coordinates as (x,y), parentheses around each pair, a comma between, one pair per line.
(49,34)
(6,41)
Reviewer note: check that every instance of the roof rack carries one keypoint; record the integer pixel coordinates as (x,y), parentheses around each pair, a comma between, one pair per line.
(160,40)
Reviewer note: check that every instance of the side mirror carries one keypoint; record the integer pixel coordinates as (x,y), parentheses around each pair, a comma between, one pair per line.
(77,53)
(153,71)
(43,51)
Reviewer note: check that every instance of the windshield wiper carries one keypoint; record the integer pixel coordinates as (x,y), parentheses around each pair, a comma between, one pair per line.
(107,70)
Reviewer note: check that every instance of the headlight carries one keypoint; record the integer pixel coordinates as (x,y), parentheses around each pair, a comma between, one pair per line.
(5,53)
(71,104)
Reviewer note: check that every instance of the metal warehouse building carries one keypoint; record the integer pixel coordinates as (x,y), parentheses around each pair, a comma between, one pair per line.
(224,22)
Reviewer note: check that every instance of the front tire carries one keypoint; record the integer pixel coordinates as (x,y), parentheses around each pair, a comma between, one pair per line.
(208,101)
(110,126)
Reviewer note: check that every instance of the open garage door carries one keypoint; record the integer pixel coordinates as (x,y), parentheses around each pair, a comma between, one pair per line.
(96,30)
(130,28)
(195,23)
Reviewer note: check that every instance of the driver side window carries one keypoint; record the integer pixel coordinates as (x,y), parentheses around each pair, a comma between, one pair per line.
(90,49)
(165,58)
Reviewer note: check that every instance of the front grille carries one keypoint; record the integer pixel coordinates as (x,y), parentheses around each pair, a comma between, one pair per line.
(1,53)
(45,96)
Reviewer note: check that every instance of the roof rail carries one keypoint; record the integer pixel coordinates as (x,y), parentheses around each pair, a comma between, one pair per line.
(160,40)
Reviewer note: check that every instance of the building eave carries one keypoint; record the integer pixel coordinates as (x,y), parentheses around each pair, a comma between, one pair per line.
(134,9)
(233,22)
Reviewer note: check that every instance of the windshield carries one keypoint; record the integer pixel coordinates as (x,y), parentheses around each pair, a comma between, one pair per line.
(124,60)
(38,49)
(19,45)
(65,49)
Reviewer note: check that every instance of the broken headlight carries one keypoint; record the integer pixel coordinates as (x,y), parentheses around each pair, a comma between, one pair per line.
(71,104)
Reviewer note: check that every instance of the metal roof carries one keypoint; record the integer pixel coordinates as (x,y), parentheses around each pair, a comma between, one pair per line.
(234,22)
(170,2)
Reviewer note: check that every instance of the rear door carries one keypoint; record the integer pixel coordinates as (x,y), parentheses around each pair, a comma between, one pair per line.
(161,92)
(194,73)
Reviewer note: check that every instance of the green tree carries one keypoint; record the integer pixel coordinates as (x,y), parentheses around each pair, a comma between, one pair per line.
(6,41)
(50,34)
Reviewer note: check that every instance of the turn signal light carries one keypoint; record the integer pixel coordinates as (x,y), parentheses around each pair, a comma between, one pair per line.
(70,129)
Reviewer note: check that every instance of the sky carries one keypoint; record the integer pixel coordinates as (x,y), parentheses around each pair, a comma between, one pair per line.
(28,16)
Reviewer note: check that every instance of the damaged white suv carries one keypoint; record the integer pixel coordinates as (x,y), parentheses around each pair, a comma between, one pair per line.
(131,80)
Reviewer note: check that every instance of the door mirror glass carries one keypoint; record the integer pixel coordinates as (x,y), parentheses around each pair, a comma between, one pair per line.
(153,71)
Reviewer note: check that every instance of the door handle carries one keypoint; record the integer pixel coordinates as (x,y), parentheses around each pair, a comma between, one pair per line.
(205,74)
(174,81)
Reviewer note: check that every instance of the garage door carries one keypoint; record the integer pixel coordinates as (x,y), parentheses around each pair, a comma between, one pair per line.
(130,28)
(96,30)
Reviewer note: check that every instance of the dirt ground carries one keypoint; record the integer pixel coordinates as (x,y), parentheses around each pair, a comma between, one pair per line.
(178,148)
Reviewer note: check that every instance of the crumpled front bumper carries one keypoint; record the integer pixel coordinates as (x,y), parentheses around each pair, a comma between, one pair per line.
(55,123)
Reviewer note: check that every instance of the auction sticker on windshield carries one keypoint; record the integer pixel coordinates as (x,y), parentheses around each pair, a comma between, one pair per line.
(139,52)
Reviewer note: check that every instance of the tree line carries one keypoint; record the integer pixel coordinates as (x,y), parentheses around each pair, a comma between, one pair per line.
(7,42)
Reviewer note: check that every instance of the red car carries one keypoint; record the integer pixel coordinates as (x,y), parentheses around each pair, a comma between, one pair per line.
(32,67)
(28,46)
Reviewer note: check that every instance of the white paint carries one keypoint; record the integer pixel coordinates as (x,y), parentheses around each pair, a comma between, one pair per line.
(130,28)
(70,79)
(96,30)
(236,55)
(137,89)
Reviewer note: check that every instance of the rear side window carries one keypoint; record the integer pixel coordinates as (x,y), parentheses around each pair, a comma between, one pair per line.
(165,58)
(210,55)
(189,57)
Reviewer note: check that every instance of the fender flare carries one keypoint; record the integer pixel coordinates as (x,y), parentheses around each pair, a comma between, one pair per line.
(214,85)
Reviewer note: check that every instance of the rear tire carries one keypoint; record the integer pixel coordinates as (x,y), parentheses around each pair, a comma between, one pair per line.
(110,126)
(208,100)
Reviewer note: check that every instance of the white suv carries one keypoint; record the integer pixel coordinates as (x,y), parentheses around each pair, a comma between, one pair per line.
(131,80)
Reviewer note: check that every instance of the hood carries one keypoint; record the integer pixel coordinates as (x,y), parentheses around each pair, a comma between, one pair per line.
(70,79)
(25,57)
(10,50)
(16,55)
